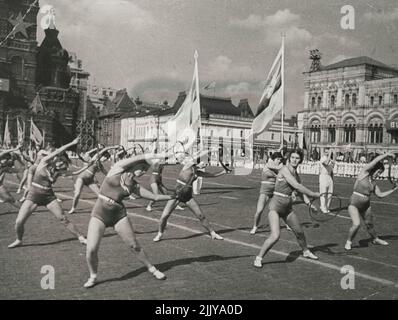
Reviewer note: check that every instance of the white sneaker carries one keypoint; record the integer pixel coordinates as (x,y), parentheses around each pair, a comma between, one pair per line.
(71,211)
(157,274)
(22,199)
(15,244)
(158,237)
(380,242)
(180,208)
(309,255)
(91,282)
(18,191)
(60,200)
(131,197)
(216,236)
(258,262)
(148,208)
(288,228)
(82,240)
(348,245)
(253,231)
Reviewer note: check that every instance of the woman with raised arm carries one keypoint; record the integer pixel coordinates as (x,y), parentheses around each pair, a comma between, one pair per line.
(41,193)
(270,171)
(38,155)
(109,211)
(184,194)
(281,206)
(359,206)
(6,163)
(87,177)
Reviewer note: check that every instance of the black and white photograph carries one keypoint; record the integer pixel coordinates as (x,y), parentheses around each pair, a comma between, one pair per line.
(180,150)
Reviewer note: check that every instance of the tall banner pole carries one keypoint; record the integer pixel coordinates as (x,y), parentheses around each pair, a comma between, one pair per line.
(283,89)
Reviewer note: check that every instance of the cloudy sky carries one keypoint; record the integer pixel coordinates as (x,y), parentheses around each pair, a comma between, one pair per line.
(148,46)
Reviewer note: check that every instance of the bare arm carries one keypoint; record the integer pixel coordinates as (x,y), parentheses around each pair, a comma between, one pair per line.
(5,152)
(381,194)
(146,194)
(60,150)
(296,185)
(210,175)
(126,164)
(370,165)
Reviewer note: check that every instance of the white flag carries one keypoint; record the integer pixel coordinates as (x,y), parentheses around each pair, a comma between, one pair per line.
(35,134)
(271,101)
(21,131)
(7,137)
(184,126)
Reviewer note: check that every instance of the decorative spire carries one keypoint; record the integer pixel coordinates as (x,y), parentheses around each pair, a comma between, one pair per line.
(315,56)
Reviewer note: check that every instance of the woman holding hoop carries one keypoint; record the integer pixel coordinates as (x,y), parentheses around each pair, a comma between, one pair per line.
(109,211)
(359,206)
(281,203)
(184,193)
(270,171)
(6,163)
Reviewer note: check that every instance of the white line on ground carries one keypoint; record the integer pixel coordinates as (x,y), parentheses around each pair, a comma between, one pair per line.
(254,246)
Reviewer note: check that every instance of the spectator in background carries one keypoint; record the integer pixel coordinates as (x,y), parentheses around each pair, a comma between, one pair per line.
(326,184)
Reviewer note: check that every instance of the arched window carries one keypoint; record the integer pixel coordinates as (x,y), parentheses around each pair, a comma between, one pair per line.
(354,99)
(372,101)
(313,103)
(349,131)
(319,102)
(380,100)
(315,131)
(332,133)
(395,98)
(375,131)
(332,101)
(347,101)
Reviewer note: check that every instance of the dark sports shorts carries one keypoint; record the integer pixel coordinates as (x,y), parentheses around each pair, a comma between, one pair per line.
(267,189)
(183,193)
(283,206)
(40,197)
(109,213)
(359,202)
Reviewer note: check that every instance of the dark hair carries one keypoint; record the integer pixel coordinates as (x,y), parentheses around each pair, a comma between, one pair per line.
(297,151)
(276,155)
(379,166)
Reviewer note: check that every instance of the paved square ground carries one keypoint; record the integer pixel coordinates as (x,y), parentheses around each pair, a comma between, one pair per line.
(196,266)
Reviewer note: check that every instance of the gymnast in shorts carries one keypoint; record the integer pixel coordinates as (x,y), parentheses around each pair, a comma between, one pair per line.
(359,206)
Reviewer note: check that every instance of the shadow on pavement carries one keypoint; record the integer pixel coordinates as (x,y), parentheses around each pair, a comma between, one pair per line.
(172,264)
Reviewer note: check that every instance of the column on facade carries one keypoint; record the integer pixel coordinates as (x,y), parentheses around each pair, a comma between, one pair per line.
(361,95)
(325,99)
(306,100)
(339,98)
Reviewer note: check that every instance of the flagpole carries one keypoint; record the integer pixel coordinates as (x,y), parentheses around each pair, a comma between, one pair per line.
(283,89)
(196,56)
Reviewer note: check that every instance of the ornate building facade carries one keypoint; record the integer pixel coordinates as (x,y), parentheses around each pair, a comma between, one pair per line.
(351,106)
(36,82)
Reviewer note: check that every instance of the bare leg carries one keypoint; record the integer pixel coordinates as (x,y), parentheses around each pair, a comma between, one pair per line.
(25,212)
(167,211)
(193,205)
(155,190)
(262,200)
(294,224)
(369,222)
(78,190)
(94,188)
(56,209)
(96,229)
(23,180)
(273,219)
(28,185)
(356,223)
(125,230)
